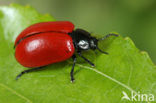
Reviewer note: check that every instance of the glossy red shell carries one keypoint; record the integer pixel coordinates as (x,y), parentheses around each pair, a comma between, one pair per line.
(56,26)
(46,47)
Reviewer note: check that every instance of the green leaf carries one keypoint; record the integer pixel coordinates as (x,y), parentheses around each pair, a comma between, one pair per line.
(124,70)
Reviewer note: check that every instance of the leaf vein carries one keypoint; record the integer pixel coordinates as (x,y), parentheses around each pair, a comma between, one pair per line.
(107,76)
(129,78)
(14,92)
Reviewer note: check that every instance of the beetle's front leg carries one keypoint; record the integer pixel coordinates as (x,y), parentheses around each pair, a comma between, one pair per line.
(86,59)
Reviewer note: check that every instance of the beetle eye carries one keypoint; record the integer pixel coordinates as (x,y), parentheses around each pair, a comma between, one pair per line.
(83,44)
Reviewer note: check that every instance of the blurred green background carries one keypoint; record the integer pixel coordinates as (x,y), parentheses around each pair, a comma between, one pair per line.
(133,18)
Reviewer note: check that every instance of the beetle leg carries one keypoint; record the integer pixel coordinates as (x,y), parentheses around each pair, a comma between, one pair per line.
(72,70)
(27,71)
(86,59)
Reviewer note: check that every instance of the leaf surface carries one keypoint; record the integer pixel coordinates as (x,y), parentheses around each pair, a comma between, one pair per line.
(125,69)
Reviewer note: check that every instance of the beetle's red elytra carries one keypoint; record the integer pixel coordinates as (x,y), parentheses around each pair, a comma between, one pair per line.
(46,43)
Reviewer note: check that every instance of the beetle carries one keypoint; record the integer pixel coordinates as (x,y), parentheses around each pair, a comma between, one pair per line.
(46,43)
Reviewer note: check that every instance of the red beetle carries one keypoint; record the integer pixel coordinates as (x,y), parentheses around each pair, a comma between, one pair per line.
(46,43)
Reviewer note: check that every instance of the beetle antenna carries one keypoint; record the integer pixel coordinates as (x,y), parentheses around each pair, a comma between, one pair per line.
(107,36)
(101,50)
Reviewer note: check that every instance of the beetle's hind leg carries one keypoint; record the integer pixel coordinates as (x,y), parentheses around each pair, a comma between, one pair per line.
(27,71)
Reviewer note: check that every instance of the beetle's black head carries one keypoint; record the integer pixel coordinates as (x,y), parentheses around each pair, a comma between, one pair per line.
(84,41)
(93,42)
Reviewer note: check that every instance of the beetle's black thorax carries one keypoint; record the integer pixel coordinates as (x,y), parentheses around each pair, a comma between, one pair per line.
(83,40)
